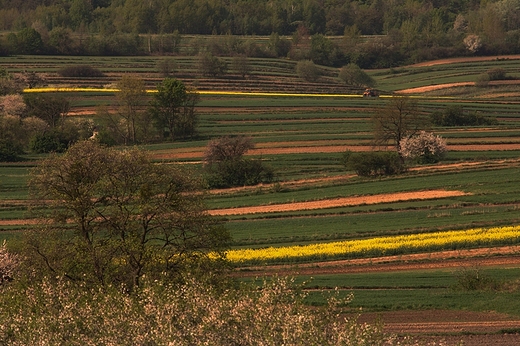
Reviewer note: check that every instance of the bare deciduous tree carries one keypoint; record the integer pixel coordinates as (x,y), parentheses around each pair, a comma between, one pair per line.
(132,94)
(400,118)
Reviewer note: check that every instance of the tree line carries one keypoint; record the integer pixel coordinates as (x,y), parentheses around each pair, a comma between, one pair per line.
(38,122)
(401,31)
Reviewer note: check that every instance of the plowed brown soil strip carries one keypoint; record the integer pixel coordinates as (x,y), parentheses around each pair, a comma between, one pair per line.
(198,153)
(428,88)
(19,222)
(466,59)
(339,202)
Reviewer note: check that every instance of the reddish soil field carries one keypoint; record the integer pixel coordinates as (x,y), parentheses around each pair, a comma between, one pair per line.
(466,59)
(198,153)
(339,202)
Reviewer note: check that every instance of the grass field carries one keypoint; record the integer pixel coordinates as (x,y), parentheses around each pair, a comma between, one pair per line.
(303,139)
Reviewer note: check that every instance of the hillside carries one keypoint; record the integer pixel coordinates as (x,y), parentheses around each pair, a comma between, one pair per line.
(315,200)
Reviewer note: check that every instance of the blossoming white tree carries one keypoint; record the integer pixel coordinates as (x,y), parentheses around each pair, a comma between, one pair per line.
(12,105)
(424,147)
(8,264)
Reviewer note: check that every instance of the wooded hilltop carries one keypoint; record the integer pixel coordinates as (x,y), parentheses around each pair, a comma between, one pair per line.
(369,33)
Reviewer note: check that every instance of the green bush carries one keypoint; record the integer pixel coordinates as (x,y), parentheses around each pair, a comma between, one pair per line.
(351,74)
(241,172)
(212,66)
(497,74)
(375,163)
(308,71)
(9,152)
(48,142)
(482,80)
(472,279)
(490,75)
(455,116)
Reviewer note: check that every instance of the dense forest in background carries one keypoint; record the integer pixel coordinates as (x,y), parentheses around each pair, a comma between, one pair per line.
(369,33)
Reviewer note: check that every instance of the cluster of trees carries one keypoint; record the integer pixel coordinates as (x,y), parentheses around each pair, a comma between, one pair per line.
(400,125)
(38,122)
(406,30)
(126,253)
(168,116)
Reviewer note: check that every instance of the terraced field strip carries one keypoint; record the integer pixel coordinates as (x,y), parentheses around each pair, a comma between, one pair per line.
(198,152)
(252,93)
(339,202)
(201,92)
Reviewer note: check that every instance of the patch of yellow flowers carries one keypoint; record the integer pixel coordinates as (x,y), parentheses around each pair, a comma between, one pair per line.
(202,92)
(381,245)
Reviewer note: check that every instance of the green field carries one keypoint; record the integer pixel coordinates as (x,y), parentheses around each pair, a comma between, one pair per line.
(418,290)
(492,184)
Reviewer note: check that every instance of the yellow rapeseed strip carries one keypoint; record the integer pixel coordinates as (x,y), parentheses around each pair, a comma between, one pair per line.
(202,92)
(381,245)
(65,89)
(209,92)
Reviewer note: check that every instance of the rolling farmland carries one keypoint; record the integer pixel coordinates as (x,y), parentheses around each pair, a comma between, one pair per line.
(302,130)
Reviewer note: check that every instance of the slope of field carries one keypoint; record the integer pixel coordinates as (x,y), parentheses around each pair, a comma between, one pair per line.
(314,199)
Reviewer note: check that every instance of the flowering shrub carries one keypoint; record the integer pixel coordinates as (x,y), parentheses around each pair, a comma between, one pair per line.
(12,105)
(8,264)
(424,147)
(473,43)
(61,313)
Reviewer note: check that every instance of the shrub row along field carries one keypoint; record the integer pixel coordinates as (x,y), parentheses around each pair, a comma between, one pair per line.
(303,138)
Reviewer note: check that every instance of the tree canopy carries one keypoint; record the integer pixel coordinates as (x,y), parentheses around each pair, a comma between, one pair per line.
(115,216)
(401,31)
(173,109)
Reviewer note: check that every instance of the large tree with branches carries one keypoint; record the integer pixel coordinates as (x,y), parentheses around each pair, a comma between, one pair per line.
(173,109)
(398,119)
(114,216)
